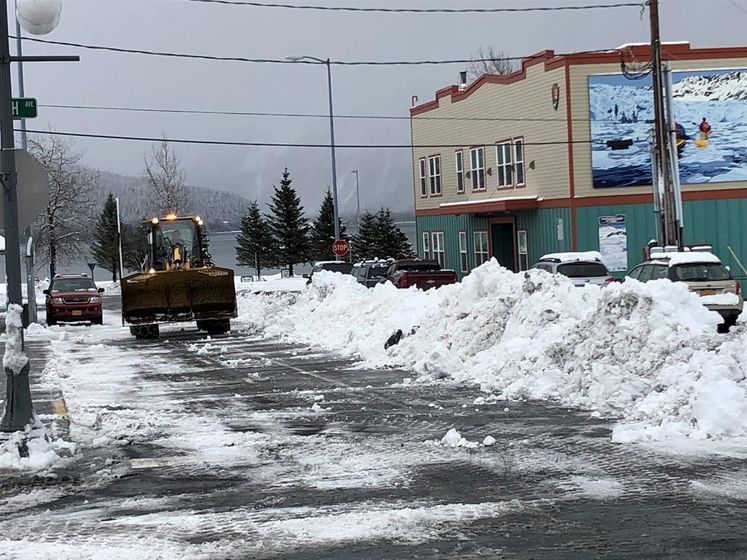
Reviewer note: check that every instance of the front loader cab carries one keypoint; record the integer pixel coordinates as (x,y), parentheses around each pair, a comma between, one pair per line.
(177,244)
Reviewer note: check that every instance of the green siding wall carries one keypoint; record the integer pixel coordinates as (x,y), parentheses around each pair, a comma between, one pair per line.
(542,228)
(713,222)
(709,222)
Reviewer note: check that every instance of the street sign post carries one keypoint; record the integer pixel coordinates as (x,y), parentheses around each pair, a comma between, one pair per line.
(340,248)
(92,266)
(33,190)
(24,108)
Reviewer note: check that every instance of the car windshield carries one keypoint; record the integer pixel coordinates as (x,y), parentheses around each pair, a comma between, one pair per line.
(377,271)
(73,285)
(582,270)
(341,267)
(701,272)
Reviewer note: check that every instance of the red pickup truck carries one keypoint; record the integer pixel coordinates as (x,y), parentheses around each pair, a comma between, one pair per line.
(423,274)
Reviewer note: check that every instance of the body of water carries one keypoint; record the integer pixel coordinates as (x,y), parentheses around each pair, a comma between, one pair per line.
(222,247)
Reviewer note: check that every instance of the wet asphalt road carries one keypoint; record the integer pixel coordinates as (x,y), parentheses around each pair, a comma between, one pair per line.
(361,475)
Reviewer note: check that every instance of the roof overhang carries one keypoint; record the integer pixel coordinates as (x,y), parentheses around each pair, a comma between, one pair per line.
(490,206)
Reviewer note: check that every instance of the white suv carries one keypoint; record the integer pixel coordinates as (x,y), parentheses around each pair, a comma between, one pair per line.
(582,268)
(704,274)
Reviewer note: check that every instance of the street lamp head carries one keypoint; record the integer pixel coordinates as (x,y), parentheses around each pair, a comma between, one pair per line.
(38,17)
(293,58)
(300,58)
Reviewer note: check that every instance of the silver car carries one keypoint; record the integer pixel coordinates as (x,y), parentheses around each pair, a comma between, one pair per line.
(582,268)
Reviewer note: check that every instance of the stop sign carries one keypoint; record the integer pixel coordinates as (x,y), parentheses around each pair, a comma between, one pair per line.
(340,247)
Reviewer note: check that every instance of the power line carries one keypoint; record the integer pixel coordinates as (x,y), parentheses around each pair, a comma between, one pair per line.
(302,115)
(288,144)
(251,4)
(286,61)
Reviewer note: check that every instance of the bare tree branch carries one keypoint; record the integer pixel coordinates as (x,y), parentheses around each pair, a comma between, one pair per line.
(62,230)
(167,179)
(487,61)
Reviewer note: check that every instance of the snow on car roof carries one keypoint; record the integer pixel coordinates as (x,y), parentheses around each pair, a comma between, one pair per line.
(573,257)
(690,257)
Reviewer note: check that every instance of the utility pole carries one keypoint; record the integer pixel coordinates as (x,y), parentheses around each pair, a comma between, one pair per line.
(661,147)
(357,200)
(19,411)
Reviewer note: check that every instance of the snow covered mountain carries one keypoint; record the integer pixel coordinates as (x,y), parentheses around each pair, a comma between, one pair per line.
(722,86)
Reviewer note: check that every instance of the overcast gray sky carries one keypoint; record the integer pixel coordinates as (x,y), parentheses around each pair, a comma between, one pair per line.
(105,78)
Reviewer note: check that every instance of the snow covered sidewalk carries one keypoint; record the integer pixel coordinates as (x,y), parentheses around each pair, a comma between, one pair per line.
(647,354)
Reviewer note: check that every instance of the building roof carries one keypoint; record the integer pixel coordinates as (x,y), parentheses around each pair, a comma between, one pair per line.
(634,52)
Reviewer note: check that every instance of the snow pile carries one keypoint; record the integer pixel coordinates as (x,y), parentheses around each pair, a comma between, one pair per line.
(31,449)
(645,353)
(14,358)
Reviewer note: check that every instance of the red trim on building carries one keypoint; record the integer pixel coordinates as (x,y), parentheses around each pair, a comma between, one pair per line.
(523,204)
(571,159)
(670,51)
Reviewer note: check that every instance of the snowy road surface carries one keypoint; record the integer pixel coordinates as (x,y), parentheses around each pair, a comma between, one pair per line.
(240,447)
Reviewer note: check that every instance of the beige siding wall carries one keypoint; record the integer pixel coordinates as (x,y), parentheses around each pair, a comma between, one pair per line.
(529,101)
(582,128)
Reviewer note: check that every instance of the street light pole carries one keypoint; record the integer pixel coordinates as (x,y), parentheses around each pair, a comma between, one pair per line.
(357,200)
(328,63)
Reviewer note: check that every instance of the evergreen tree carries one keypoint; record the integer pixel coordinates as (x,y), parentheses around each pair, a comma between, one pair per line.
(323,231)
(134,245)
(254,244)
(105,245)
(289,226)
(379,237)
(363,245)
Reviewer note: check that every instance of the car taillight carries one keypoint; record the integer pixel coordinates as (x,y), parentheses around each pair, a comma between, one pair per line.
(610,280)
(404,282)
(739,287)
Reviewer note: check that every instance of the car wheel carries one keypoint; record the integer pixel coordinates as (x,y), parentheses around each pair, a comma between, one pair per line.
(728,323)
(51,321)
(98,320)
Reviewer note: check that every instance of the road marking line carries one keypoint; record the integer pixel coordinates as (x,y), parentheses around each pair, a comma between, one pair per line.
(60,409)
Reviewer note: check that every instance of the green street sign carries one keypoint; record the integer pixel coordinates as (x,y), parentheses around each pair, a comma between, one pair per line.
(24,108)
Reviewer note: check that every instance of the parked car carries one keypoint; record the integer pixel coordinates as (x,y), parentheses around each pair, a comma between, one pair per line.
(582,268)
(424,274)
(369,273)
(704,274)
(332,266)
(73,298)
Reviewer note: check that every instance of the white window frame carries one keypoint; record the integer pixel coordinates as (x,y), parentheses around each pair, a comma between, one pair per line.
(434,175)
(437,247)
(519,162)
(423,183)
(480,255)
(522,243)
(504,164)
(459,169)
(426,245)
(477,168)
(463,255)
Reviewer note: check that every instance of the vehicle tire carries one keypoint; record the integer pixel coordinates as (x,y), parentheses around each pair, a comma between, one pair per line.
(141,332)
(218,326)
(98,320)
(728,323)
(202,325)
(51,321)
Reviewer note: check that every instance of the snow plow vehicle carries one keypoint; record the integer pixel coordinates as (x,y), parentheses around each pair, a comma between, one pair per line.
(179,281)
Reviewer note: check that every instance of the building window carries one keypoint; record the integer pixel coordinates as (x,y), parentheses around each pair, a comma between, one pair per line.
(504,164)
(459,167)
(423,184)
(521,236)
(519,161)
(426,245)
(434,174)
(439,253)
(463,251)
(481,247)
(477,168)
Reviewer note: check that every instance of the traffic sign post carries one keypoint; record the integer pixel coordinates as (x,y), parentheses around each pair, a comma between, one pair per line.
(92,266)
(340,248)
(24,108)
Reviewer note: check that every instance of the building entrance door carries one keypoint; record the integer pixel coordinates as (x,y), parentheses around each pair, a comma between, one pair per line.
(502,236)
